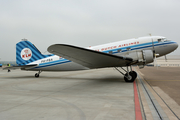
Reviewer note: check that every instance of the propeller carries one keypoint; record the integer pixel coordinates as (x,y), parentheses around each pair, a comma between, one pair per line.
(154,54)
(165,58)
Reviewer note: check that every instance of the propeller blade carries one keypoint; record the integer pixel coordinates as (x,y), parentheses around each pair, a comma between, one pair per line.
(154,62)
(153,47)
(154,53)
(165,58)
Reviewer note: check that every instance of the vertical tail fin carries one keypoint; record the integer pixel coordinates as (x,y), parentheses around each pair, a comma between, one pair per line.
(26,53)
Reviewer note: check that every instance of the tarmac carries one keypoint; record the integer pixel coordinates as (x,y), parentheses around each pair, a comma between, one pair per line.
(99,94)
(164,85)
(166,78)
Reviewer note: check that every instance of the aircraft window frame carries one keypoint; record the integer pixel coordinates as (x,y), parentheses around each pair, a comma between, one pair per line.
(162,40)
(128,48)
(119,50)
(159,40)
(110,52)
(165,39)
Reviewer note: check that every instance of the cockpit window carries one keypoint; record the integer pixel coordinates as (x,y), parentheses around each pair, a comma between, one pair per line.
(163,40)
(159,40)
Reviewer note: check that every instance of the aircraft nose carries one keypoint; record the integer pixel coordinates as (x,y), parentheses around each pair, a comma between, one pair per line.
(175,45)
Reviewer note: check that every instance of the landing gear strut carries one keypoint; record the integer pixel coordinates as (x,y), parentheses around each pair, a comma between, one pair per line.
(37,74)
(128,76)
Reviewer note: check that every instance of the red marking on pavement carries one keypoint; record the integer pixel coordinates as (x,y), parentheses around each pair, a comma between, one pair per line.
(137,104)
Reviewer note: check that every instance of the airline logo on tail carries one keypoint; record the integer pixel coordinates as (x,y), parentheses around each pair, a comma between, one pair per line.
(26,54)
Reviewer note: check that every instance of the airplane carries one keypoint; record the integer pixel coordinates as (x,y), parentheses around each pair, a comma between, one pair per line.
(137,51)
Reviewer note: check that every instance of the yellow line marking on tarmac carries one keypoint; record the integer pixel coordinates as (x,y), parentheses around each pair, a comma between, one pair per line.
(141,73)
(164,80)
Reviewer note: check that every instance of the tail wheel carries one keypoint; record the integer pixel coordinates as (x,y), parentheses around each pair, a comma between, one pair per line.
(36,75)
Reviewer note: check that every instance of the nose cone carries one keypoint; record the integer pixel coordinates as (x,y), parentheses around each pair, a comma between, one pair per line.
(168,48)
(175,45)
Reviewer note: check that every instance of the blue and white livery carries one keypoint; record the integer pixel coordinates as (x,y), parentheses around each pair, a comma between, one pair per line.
(125,53)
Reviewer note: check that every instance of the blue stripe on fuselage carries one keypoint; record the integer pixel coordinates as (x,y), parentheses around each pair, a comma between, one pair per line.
(53,63)
(133,47)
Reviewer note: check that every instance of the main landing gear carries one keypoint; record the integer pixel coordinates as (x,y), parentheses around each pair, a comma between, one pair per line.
(129,76)
(37,74)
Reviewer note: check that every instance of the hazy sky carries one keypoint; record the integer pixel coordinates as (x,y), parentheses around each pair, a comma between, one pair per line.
(84,22)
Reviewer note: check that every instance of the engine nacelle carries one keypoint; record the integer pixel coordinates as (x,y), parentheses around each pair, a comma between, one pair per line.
(145,56)
(141,57)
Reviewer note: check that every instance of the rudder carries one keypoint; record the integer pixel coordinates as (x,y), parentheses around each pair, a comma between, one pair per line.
(26,53)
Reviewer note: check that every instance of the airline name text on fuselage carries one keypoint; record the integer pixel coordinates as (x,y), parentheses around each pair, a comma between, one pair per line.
(118,46)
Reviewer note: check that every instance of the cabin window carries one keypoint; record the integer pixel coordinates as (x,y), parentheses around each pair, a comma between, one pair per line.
(119,50)
(128,48)
(110,52)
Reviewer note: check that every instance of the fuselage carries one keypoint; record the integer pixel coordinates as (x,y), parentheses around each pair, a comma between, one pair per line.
(125,48)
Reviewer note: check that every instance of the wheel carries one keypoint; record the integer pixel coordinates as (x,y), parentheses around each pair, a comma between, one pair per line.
(9,70)
(129,78)
(133,73)
(36,75)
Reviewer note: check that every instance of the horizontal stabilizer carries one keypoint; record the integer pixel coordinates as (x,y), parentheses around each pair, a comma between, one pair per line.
(88,58)
(18,67)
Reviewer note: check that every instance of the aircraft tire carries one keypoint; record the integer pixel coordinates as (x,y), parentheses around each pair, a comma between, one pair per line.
(131,79)
(133,73)
(36,75)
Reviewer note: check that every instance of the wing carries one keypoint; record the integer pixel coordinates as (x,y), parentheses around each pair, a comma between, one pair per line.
(87,57)
(18,67)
